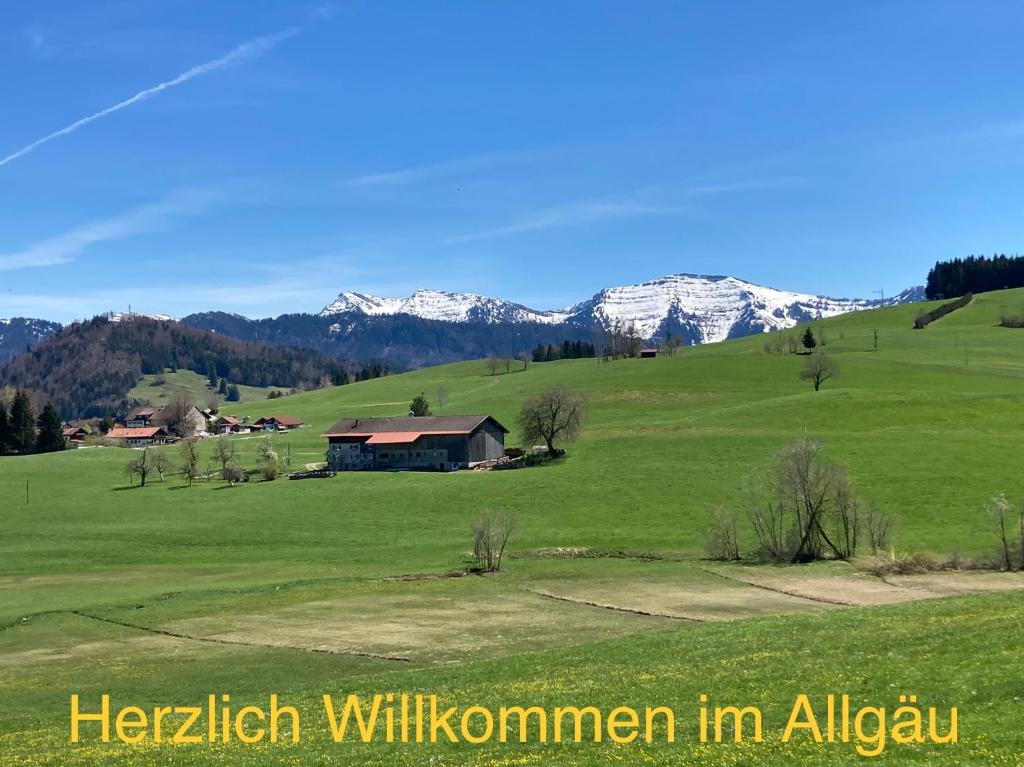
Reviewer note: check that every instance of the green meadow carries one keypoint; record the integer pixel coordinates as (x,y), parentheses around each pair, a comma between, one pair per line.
(160,389)
(164,594)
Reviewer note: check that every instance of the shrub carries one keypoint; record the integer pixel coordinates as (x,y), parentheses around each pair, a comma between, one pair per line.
(898,563)
(721,541)
(491,531)
(805,509)
(1012,320)
(927,318)
(232,475)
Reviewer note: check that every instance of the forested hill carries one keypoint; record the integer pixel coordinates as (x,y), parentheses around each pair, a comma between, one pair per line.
(89,367)
(974,274)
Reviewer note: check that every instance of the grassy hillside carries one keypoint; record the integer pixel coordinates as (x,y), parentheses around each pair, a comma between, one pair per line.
(161,388)
(927,425)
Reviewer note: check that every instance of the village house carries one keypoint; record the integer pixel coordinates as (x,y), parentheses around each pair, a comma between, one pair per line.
(228,424)
(139,436)
(74,436)
(145,417)
(279,423)
(140,417)
(439,443)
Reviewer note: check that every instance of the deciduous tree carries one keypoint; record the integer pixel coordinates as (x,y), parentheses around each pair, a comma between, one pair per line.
(818,368)
(557,414)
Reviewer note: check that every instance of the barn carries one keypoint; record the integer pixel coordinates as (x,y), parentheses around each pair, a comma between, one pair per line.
(437,443)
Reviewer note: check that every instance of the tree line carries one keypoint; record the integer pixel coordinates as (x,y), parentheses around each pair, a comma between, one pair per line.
(21,432)
(974,274)
(567,350)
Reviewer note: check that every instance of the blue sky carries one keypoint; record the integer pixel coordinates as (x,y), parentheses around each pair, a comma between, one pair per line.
(261,157)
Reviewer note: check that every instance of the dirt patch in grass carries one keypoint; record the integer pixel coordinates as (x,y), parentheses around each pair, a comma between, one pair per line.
(956,583)
(421,626)
(693,599)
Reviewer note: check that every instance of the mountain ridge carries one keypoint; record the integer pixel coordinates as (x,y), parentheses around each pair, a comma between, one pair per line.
(432,327)
(700,308)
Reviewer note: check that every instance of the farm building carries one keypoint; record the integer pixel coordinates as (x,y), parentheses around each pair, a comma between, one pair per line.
(145,417)
(439,443)
(139,436)
(141,417)
(279,422)
(228,424)
(648,353)
(74,436)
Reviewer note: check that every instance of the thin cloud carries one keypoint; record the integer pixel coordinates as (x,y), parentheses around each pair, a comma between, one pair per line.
(141,220)
(459,166)
(568,215)
(246,51)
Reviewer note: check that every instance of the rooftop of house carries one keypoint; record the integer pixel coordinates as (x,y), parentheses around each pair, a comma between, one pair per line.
(284,420)
(141,432)
(420,425)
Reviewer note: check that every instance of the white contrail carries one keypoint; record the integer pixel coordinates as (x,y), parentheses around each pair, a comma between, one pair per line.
(255,47)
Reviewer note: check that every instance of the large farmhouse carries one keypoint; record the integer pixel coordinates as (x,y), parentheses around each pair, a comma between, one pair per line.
(440,443)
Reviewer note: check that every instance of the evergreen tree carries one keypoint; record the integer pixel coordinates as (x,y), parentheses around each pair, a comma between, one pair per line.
(50,438)
(5,428)
(419,406)
(223,388)
(233,394)
(808,340)
(23,423)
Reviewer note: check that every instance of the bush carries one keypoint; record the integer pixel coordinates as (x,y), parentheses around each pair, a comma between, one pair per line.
(233,475)
(927,318)
(898,563)
(1012,320)
(721,541)
(491,531)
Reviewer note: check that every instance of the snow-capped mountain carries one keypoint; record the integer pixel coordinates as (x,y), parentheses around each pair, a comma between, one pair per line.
(19,333)
(439,305)
(700,309)
(129,316)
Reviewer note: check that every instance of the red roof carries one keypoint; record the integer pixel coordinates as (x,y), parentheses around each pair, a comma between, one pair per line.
(230,420)
(147,432)
(394,438)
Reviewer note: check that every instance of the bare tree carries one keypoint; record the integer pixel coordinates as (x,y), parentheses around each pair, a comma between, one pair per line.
(141,466)
(189,467)
(161,463)
(493,363)
(507,361)
(720,539)
(633,339)
(441,396)
(213,402)
(525,358)
(670,344)
(223,453)
(491,531)
(805,508)
(999,511)
(557,414)
(818,368)
(792,344)
(178,415)
(878,527)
